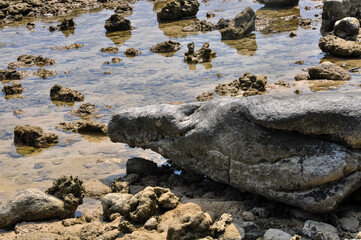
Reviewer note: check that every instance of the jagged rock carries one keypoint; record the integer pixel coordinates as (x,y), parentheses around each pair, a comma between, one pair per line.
(205,54)
(84,126)
(126,227)
(220,225)
(64,94)
(178,9)
(30,60)
(110,50)
(329,71)
(34,136)
(15,88)
(141,206)
(334,10)
(205,97)
(10,75)
(67,24)
(339,46)
(202,26)
(86,110)
(141,167)
(276,234)
(306,140)
(120,186)
(246,85)
(347,27)
(44,73)
(33,205)
(117,23)
(279,3)
(132,52)
(312,229)
(166,47)
(68,189)
(240,26)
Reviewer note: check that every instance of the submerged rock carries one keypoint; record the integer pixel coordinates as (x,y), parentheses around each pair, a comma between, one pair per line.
(279,3)
(84,126)
(68,189)
(202,26)
(110,50)
(34,136)
(132,52)
(247,85)
(64,94)
(339,46)
(320,230)
(15,88)
(309,141)
(86,110)
(347,27)
(67,24)
(166,47)
(124,8)
(116,22)
(329,71)
(10,75)
(240,26)
(141,166)
(206,96)
(45,73)
(178,9)
(30,60)
(33,205)
(205,54)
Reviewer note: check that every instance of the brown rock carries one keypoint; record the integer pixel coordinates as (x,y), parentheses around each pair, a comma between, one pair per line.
(15,88)
(84,126)
(64,94)
(34,136)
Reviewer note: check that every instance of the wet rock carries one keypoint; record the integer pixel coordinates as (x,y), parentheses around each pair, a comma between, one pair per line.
(151,223)
(248,216)
(222,23)
(116,60)
(86,110)
(30,25)
(301,76)
(141,206)
(305,23)
(166,47)
(234,232)
(205,97)
(141,167)
(126,227)
(95,189)
(117,23)
(69,47)
(84,126)
(33,205)
(334,10)
(329,71)
(312,228)
(18,111)
(10,75)
(124,8)
(34,136)
(210,15)
(279,3)
(253,139)
(202,26)
(53,28)
(339,46)
(243,86)
(30,60)
(67,24)
(64,94)
(119,186)
(178,9)
(347,27)
(276,234)
(68,189)
(242,25)
(15,88)
(349,224)
(132,52)
(44,73)
(110,50)
(205,54)
(220,225)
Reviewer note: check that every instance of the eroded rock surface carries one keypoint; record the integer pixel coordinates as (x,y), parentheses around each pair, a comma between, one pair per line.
(166,47)
(117,22)
(308,141)
(329,71)
(10,75)
(339,46)
(30,60)
(84,126)
(203,26)
(64,94)
(204,54)
(279,3)
(86,111)
(34,136)
(178,9)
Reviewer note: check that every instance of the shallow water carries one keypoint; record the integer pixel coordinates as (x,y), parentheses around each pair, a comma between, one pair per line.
(146,79)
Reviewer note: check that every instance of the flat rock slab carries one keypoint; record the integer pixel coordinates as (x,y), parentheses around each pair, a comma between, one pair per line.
(300,150)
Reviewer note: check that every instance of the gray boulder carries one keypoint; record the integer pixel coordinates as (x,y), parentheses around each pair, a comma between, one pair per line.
(178,9)
(334,10)
(307,141)
(279,3)
(244,23)
(33,205)
(347,27)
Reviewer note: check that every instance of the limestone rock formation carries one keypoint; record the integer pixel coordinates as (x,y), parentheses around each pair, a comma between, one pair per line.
(178,9)
(84,126)
(166,47)
(240,26)
(300,150)
(339,46)
(34,136)
(15,88)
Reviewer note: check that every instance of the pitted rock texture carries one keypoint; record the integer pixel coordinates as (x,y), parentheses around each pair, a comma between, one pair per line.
(84,126)
(279,3)
(64,94)
(339,46)
(34,136)
(178,9)
(308,141)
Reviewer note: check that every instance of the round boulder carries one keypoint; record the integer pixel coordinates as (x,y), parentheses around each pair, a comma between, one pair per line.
(347,27)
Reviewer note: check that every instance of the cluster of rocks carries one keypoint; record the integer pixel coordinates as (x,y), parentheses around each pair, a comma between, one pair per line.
(324,71)
(247,85)
(132,52)
(204,54)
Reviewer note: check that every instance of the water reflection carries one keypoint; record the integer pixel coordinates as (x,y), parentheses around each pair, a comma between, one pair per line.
(27,151)
(174,29)
(120,37)
(271,20)
(94,137)
(246,46)
(67,33)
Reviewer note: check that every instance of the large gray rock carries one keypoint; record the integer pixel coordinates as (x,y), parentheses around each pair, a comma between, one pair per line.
(279,3)
(33,205)
(295,149)
(334,10)
(347,27)
(242,25)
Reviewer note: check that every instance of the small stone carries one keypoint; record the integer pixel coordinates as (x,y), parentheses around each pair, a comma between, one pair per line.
(53,28)
(151,223)
(64,94)
(349,223)
(252,230)
(261,212)
(132,52)
(248,216)
(18,111)
(141,166)
(312,228)
(293,34)
(300,62)
(110,50)
(67,24)
(276,234)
